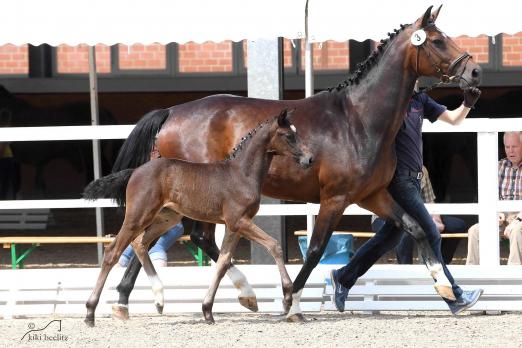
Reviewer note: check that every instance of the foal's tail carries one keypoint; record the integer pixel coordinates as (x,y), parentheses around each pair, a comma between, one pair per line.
(136,149)
(111,186)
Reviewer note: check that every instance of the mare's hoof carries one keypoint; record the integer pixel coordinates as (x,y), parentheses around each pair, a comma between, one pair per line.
(249,303)
(120,312)
(296,318)
(445,292)
(209,319)
(89,322)
(159,308)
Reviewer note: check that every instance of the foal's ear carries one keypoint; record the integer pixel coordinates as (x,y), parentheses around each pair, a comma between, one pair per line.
(282,119)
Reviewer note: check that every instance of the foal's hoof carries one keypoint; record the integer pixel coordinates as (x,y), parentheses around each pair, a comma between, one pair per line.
(159,308)
(445,292)
(249,303)
(89,322)
(296,318)
(120,312)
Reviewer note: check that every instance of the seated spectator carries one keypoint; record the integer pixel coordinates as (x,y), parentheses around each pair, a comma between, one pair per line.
(444,223)
(158,253)
(510,188)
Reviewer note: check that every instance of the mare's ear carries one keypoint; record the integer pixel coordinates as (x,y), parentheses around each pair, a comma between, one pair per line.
(425,18)
(435,14)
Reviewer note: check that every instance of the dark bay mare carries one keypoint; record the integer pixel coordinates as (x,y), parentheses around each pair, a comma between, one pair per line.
(16,112)
(350,129)
(160,192)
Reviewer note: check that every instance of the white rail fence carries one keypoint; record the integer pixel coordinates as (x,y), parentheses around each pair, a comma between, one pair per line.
(408,285)
(487,207)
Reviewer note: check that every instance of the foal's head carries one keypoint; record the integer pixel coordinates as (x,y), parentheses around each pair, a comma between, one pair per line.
(433,53)
(285,140)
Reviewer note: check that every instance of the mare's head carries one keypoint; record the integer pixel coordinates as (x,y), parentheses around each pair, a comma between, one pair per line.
(286,141)
(433,53)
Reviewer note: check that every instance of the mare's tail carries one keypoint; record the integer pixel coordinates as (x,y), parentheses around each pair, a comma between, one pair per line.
(111,186)
(136,149)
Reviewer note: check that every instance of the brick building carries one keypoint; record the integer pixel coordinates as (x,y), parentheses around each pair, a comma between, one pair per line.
(135,79)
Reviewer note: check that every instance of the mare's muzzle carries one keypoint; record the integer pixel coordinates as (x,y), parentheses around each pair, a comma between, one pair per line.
(306,160)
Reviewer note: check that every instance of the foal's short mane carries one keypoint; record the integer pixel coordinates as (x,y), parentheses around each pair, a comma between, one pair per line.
(237,149)
(371,61)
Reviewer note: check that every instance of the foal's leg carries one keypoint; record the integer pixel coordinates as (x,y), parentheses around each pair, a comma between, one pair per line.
(202,236)
(252,232)
(165,220)
(227,249)
(112,253)
(141,244)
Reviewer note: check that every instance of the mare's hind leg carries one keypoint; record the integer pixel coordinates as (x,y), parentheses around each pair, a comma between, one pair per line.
(223,263)
(252,232)
(112,253)
(141,247)
(202,236)
(330,213)
(165,220)
(385,206)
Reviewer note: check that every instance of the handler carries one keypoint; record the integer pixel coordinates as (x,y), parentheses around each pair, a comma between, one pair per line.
(405,190)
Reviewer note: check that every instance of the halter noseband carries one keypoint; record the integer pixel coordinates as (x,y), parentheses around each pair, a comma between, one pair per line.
(443,78)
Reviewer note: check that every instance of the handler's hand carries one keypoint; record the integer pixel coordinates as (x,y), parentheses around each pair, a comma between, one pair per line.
(471,95)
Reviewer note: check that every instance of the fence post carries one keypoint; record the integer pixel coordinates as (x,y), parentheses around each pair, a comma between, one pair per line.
(310,221)
(487,150)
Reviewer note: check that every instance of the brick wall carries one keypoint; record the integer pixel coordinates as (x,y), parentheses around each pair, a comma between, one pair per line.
(478,47)
(331,55)
(142,57)
(14,59)
(512,53)
(205,57)
(217,57)
(75,59)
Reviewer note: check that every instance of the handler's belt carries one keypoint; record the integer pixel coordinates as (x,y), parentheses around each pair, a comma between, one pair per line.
(415,175)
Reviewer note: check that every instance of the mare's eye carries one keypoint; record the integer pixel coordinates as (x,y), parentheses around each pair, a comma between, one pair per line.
(439,43)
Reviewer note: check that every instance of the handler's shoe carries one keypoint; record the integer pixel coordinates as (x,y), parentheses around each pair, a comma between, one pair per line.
(340,293)
(465,301)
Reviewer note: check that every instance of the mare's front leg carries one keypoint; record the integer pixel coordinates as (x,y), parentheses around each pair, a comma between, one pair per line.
(330,213)
(203,237)
(223,263)
(252,232)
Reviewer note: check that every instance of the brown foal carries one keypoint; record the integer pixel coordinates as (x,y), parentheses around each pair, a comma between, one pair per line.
(162,191)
